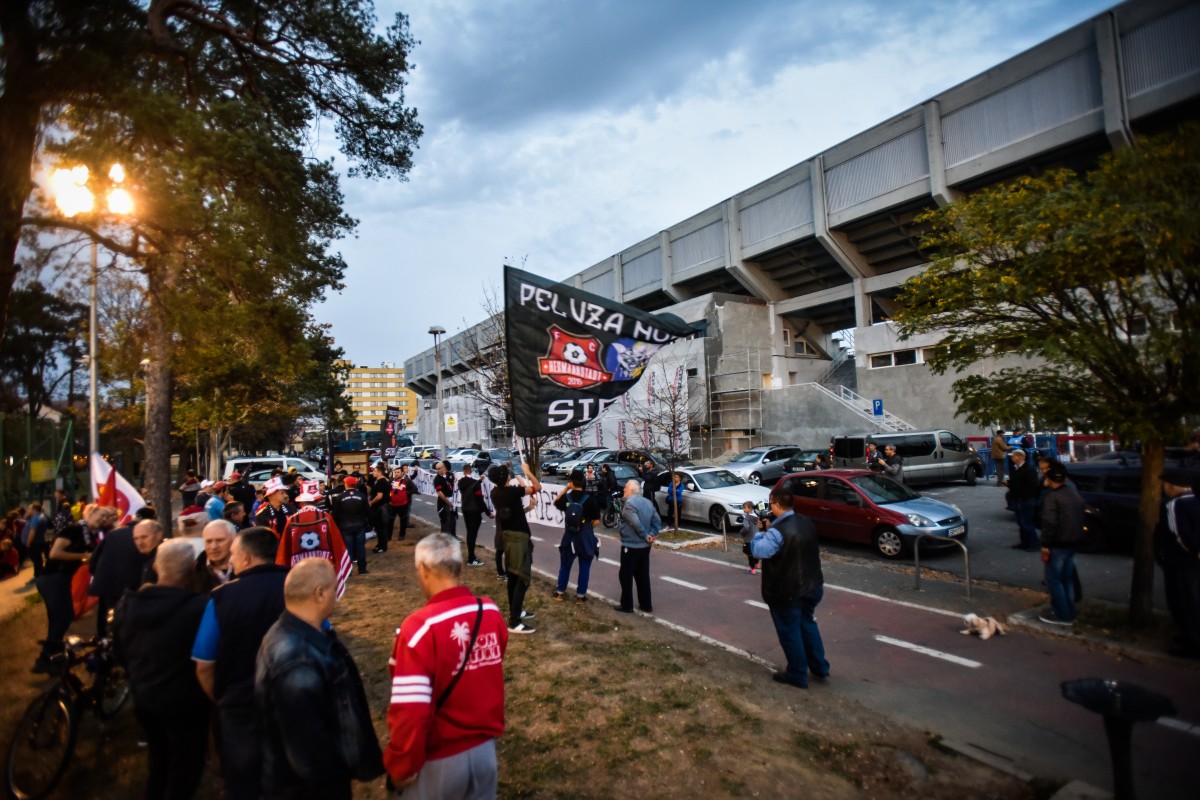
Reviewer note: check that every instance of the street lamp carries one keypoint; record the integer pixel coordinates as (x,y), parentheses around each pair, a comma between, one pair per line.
(72,196)
(438,332)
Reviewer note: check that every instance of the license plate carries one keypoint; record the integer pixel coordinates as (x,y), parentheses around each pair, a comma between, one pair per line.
(959,531)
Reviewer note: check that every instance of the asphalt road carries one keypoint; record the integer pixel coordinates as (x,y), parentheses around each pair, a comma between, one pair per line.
(893,650)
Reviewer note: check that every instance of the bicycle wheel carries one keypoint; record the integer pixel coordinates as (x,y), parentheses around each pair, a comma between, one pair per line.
(112,692)
(610,517)
(42,746)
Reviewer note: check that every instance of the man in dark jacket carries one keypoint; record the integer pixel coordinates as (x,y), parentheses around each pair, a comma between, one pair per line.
(470,492)
(650,483)
(352,516)
(792,586)
(1024,488)
(154,629)
(117,567)
(1177,550)
(318,731)
(236,619)
(213,567)
(1062,530)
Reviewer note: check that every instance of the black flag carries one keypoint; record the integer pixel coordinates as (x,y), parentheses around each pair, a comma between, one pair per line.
(387,427)
(571,353)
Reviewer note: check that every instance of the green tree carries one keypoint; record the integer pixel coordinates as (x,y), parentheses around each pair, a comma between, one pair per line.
(1076,298)
(44,331)
(213,107)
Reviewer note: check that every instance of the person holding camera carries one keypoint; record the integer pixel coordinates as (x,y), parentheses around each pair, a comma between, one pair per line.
(792,587)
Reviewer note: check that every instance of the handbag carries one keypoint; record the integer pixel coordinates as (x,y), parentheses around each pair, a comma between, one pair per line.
(466,658)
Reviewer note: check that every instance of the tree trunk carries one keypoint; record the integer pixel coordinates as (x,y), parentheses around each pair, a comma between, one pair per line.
(215,438)
(19,112)
(1141,592)
(158,401)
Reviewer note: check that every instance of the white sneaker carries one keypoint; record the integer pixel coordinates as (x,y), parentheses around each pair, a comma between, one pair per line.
(521,627)
(527,614)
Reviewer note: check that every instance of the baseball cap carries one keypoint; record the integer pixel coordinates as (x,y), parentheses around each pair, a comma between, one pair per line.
(272,486)
(351,481)
(205,484)
(236,476)
(218,486)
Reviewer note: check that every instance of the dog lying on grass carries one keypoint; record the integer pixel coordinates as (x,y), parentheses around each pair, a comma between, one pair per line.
(983,627)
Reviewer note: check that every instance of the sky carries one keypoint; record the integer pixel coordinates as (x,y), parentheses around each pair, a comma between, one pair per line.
(560,132)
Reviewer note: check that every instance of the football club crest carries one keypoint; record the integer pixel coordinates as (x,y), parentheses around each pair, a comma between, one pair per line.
(573,361)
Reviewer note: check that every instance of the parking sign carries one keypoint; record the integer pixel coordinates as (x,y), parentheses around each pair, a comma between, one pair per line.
(878,404)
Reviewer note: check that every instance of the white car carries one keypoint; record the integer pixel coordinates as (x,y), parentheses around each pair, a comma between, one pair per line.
(714,495)
(247,464)
(597,456)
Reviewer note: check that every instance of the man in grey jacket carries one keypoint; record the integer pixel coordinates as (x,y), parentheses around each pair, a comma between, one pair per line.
(1062,530)
(640,524)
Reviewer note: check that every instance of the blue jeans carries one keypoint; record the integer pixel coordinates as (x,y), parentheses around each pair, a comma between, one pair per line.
(1060,571)
(356,548)
(566,558)
(800,638)
(1029,534)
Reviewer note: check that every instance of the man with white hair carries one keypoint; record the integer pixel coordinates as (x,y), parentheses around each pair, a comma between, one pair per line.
(317,725)
(154,628)
(147,536)
(447,673)
(213,568)
(640,525)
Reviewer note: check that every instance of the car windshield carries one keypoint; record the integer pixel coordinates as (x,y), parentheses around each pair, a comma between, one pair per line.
(717,479)
(883,490)
(749,455)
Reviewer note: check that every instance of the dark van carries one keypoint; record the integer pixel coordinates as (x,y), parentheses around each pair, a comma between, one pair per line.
(928,455)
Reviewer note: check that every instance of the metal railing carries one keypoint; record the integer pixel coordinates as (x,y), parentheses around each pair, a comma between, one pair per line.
(855,402)
(917,558)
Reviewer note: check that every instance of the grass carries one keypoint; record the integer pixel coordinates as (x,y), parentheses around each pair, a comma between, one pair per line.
(598,705)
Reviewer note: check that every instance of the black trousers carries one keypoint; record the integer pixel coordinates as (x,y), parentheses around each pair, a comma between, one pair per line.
(55,589)
(449,520)
(635,569)
(395,513)
(239,740)
(473,520)
(178,744)
(516,599)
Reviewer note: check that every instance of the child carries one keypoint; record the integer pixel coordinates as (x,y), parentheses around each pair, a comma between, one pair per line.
(749,528)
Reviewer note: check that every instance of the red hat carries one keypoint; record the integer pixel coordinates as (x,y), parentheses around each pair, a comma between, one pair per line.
(237,476)
(351,481)
(218,486)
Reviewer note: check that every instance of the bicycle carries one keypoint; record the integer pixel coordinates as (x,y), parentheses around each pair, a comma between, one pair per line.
(45,737)
(612,514)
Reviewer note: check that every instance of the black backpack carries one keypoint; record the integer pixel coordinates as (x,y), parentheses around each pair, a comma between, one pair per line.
(574,515)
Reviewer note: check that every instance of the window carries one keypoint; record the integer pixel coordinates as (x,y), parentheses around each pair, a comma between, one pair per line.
(905,357)
(880,360)
(896,358)
(838,492)
(803,348)
(787,337)
(809,488)
(950,441)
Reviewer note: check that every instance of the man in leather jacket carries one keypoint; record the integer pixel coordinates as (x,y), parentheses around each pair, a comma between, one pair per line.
(317,726)
(792,586)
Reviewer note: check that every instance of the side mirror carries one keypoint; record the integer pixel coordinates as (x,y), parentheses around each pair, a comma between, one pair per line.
(691,487)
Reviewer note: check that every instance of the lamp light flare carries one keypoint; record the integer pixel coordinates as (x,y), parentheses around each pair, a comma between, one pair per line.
(117,173)
(120,201)
(71,194)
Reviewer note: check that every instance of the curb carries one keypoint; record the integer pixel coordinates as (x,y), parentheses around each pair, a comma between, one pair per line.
(1028,621)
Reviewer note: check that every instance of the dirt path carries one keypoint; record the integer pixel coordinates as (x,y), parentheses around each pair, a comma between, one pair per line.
(597,708)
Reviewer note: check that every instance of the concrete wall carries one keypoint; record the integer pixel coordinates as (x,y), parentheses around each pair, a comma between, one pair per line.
(806,416)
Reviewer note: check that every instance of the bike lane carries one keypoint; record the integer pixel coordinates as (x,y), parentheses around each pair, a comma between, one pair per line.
(1001,696)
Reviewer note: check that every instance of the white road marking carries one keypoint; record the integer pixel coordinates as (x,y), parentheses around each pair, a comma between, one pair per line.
(916,648)
(610,561)
(757,604)
(1179,725)
(904,603)
(695,586)
(537,538)
(700,637)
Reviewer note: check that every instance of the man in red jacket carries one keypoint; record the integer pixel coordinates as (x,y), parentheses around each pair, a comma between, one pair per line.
(447,670)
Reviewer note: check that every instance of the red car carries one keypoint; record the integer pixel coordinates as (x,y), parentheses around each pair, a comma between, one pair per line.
(856,505)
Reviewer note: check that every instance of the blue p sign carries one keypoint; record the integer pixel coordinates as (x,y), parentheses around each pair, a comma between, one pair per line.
(878,406)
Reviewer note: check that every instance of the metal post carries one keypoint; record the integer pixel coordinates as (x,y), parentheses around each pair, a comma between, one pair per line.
(437,332)
(93,408)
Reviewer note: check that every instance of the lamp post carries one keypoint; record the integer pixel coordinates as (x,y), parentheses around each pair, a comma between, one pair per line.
(72,196)
(438,332)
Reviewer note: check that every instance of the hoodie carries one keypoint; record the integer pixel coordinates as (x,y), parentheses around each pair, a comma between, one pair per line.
(155,628)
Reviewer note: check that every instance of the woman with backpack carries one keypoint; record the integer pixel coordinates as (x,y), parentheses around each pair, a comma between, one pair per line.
(580,512)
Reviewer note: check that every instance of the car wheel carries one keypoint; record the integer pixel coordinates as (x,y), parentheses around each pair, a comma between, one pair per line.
(755,478)
(972,475)
(716,518)
(889,543)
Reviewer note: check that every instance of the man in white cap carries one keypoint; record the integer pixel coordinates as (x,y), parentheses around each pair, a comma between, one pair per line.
(274,511)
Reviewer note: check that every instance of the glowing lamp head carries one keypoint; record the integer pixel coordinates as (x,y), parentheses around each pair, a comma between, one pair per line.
(71,194)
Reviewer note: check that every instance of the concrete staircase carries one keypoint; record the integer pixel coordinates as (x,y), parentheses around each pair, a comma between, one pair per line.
(862,407)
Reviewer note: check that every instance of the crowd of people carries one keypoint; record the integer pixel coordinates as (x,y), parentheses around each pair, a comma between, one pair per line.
(234,642)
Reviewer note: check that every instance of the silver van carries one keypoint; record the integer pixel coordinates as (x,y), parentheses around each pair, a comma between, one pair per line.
(928,455)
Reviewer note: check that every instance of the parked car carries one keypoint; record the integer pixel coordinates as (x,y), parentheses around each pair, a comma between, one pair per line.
(248,464)
(803,460)
(856,505)
(762,465)
(551,466)
(593,457)
(714,495)
(496,455)
(928,456)
(1113,495)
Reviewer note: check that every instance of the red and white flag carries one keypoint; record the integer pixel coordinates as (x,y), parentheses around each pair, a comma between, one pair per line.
(111,489)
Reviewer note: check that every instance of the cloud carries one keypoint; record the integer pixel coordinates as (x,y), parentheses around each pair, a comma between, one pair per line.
(566,132)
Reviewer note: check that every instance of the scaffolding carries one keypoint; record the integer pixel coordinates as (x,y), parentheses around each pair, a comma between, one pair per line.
(736,380)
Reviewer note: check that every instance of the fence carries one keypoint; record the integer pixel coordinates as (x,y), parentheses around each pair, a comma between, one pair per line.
(36,457)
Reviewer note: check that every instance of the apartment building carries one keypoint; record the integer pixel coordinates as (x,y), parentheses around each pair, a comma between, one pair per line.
(372,389)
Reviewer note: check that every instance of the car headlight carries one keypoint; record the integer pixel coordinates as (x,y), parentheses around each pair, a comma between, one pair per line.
(919,521)
(735,506)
